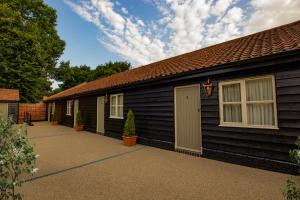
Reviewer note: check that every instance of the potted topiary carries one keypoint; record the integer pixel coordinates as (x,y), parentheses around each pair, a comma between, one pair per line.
(129,137)
(79,122)
(54,119)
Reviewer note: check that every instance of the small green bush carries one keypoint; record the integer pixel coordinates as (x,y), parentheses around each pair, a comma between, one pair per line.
(16,158)
(129,128)
(292,190)
(79,118)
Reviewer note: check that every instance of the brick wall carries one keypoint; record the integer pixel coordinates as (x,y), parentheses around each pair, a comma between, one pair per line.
(37,111)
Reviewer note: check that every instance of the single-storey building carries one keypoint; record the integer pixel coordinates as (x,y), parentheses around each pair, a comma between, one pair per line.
(9,103)
(238,101)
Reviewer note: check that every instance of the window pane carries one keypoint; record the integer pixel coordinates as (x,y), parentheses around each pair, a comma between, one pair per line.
(232,93)
(232,113)
(113,100)
(259,89)
(113,111)
(120,111)
(261,114)
(120,100)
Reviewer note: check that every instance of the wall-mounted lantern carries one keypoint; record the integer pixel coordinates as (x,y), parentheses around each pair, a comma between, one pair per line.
(208,87)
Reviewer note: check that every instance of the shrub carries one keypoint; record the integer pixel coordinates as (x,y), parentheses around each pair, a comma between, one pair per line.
(54,116)
(129,128)
(79,118)
(292,190)
(16,158)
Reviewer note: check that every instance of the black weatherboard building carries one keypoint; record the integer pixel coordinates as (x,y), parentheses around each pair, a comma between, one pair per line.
(238,101)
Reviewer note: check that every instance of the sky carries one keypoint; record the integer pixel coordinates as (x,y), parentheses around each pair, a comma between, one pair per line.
(145,31)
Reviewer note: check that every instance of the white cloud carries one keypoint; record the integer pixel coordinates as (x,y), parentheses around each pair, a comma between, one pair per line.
(183,26)
(270,13)
(124,10)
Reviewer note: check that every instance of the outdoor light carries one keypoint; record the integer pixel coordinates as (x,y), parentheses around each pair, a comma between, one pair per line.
(208,87)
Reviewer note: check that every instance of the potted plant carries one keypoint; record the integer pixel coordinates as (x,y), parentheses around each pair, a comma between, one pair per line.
(54,119)
(79,122)
(129,137)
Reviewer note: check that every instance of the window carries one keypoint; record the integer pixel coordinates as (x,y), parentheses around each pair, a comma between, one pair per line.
(116,106)
(53,108)
(69,107)
(248,102)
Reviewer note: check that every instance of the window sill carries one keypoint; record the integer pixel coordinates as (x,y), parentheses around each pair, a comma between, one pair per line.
(68,115)
(112,117)
(243,126)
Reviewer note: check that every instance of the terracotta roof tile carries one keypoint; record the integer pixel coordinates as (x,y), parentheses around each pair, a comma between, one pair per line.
(9,95)
(272,41)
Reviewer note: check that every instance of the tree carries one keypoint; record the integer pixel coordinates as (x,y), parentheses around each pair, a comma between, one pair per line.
(110,68)
(70,76)
(129,128)
(29,47)
(16,158)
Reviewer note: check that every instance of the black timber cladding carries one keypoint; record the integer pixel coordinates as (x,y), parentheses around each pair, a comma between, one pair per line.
(268,144)
(13,111)
(67,120)
(264,148)
(88,108)
(154,116)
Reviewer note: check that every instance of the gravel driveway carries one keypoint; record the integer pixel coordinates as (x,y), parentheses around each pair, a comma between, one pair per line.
(81,165)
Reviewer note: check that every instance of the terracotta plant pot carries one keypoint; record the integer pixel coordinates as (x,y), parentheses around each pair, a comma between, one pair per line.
(79,127)
(54,123)
(129,140)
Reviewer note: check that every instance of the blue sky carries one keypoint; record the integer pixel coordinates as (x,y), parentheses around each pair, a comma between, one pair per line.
(144,31)
(82,46)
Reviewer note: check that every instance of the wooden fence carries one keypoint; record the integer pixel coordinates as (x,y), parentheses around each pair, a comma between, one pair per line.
(37,111)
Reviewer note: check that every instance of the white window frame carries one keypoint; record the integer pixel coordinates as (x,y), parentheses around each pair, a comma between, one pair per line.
(117,106)
(244,123)
(53,108)
(69,108)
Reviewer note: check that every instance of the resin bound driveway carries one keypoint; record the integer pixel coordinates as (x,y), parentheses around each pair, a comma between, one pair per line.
(81,165)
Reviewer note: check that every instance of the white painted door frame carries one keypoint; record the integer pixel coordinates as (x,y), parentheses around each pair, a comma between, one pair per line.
(175,116)
(100,114)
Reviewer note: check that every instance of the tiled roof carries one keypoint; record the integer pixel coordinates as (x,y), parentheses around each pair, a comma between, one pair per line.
(273,41)
(9,95)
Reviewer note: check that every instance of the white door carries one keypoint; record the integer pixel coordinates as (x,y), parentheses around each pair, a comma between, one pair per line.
(187,118)
(76,107)
(100,114)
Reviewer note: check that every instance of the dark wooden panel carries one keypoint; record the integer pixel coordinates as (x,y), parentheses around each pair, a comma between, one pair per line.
(13,111)
(154,116)
(88,108)
(67,120)
(261,143)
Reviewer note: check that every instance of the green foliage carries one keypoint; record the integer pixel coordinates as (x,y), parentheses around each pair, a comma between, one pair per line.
(79,118)
(129,128)
(70,76)
(292,190)
(110,68)
(16,158)
(29,47)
